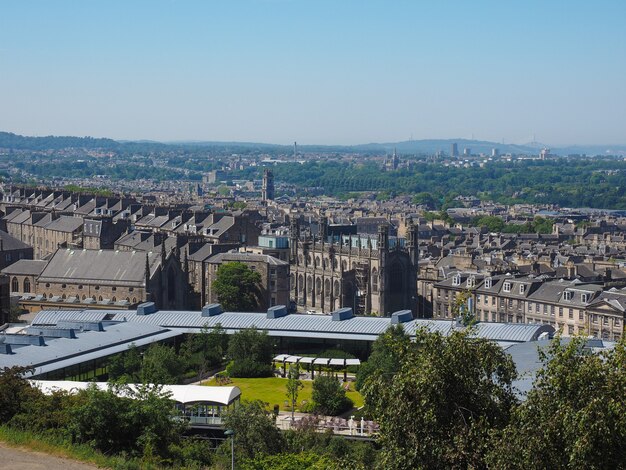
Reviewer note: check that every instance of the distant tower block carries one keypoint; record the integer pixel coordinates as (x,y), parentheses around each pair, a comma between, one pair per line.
(467,152)
(267,193)
(454,151)
(295,150)
(495,152)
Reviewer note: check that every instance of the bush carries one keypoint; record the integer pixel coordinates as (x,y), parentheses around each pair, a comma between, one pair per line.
(329,396)
(248,368)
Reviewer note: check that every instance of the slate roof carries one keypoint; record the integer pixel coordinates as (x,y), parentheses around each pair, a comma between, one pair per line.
(11,243)
(65,224)
(107,267)
(26,267)
(226,257)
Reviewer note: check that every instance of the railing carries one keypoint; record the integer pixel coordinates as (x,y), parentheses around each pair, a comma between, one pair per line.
(339,426)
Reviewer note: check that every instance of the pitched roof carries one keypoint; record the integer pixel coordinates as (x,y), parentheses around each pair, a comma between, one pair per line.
(11,243)
(26,267)
(101,266)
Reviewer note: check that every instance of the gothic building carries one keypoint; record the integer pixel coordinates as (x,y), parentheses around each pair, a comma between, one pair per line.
(373,274)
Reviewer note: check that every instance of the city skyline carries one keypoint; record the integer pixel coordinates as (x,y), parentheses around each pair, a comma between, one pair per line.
(330,73)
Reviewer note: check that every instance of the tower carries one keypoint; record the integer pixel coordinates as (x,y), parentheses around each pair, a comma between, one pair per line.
(267,193)
(295,151)
(454,151)
(394,161)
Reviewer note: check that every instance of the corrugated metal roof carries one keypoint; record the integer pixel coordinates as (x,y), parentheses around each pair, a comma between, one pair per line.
(295,325)
(88,345)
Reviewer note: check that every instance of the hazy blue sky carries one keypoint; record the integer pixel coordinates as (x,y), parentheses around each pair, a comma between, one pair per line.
(317,71)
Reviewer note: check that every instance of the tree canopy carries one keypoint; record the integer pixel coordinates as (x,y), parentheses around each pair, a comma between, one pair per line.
(439,408)
(237,287)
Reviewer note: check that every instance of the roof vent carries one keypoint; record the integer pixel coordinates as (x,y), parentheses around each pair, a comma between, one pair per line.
(342,314)
(5,349)
(276,311)
(25,340)
(211,310)
(401,316)
(80,325)
(146,308)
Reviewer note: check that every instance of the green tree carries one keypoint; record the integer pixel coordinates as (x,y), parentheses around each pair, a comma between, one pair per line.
(575,415)
(237,287)
(382,360)
(294,385)
(329,396)
(255,431)
(161,365)
(250,354)
(438,409)
(15,392)
(205,349)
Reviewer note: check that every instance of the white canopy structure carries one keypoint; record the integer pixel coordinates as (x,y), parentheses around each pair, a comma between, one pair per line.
(183,394)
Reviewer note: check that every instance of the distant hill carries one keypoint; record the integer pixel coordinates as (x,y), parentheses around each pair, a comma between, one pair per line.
(428,146)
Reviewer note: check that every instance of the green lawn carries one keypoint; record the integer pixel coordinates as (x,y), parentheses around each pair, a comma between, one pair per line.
(273,391)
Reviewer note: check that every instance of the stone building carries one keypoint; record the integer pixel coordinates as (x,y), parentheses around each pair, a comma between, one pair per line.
(102,279)
(12,250)
(373,274)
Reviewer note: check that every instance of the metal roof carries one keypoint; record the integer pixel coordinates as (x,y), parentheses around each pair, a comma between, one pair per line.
(295,325)
(88,345)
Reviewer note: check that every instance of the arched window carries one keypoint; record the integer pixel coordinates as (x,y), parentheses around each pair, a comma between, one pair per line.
(309,284)
(83,297)
(300,283)
(336,289)
(15,285)
(317,261)
(26,285)
(100,299)
(93,297)
(134,300)
(45,296)
(128,299)
(327,288)
(114,299)
(292,281)
(318,286)
(344,265)
(64,297)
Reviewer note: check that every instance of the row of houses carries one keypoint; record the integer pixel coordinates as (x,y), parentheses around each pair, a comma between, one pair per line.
(570,306)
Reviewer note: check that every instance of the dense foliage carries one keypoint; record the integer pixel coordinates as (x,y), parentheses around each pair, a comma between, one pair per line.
(329,397)
(383,360)
(574,417)
(441,405)
(237,287)
(250,354)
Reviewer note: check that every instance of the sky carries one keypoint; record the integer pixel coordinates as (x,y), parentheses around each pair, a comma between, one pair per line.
(316,72)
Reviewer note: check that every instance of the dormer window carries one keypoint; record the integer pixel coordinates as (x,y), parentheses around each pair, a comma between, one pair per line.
(456,280)
(522,288)
(471,281)
(488,283)
(567,295)
(584,298)
(506,287)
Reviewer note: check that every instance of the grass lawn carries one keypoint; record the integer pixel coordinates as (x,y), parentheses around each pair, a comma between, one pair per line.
(273,391)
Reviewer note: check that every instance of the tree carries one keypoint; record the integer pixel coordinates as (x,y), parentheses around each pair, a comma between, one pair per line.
(438,409)
(205,349)
(329,396)
(15,392)
(250,354)
(255,431)
(383,359)
(161,365)
(237,287)
(294,385)
(575,415)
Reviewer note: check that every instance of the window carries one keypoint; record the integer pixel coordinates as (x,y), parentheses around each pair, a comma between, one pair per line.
(471,281)
(26,285)
(545,308)
(130,289)
(605,320)
(522,288)
(113,288)
(456,280)
(560,311)
(530,306)
(570,330)
(594,318)
(80,286)
(571,313)
(581,315)
(7,257)
(584,298)
(15,285)
(97,287)
(506,287)
(510,303)
(63,286)
(478,298)
(567,295)
(488,283)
